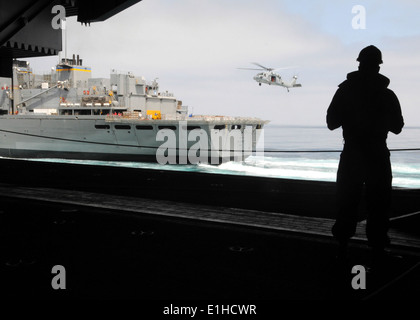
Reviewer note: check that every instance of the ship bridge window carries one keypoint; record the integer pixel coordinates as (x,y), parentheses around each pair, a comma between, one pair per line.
(122,127)
(220,127)
(102,126)
(167,127)
(193,127)
(83,112)
(144,127)
(236,126)
(65,112)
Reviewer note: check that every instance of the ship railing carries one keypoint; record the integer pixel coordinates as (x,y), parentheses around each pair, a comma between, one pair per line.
(124,116)
(137,116)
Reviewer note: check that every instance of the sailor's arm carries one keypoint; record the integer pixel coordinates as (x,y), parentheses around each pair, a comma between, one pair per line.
(334,112)
(396,120)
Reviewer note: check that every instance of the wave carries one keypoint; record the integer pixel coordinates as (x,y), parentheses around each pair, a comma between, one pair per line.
(405,174)
(275,167)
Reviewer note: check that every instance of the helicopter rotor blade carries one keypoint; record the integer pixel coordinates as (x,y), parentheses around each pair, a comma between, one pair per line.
(257,64)
(250,69)
(285,68)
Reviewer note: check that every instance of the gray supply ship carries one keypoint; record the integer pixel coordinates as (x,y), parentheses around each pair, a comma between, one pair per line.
(70,115)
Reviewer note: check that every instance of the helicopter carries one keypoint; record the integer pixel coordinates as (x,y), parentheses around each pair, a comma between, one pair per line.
(268,76)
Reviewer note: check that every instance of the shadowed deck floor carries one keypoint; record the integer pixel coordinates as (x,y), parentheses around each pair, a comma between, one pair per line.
(268,220)
(127,247)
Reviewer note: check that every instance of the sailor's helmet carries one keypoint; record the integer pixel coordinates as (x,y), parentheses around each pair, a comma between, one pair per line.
(370,55)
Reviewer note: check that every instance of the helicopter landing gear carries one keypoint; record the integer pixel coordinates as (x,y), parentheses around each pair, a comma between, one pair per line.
(259,84)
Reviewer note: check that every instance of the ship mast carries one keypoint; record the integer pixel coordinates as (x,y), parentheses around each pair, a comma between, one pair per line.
(12,96)
(64,24)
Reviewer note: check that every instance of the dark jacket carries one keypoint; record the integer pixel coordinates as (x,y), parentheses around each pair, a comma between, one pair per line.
(366,109)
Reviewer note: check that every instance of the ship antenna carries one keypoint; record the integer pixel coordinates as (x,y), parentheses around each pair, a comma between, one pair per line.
(13,91)
(64,24)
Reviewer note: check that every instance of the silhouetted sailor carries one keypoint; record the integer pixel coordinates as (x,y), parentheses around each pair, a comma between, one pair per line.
(366,110)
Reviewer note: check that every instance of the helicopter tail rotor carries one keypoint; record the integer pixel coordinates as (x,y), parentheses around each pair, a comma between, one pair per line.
(294,84)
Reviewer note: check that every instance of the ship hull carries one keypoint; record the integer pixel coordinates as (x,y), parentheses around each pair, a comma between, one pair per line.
(101,138)
(47,154)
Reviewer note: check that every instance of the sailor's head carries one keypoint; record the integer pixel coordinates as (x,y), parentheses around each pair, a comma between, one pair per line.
(370,58)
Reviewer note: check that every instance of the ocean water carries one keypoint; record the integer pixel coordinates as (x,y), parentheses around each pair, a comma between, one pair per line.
(283,156)
(323,165)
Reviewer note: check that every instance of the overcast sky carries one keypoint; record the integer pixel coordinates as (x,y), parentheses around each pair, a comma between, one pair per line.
(194,47)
